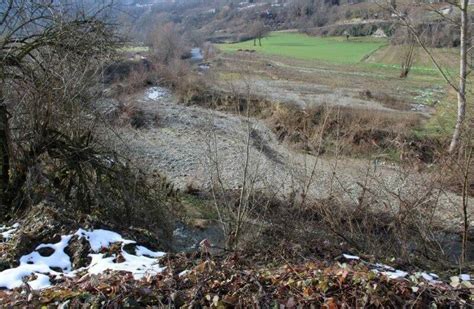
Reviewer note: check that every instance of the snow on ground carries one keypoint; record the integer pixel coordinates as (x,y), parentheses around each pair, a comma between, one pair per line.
(155,93)
(102,238)
(250,6)
(139,266)
(465,277)
(6,232)
(429,277)
(394,274)
(49,261)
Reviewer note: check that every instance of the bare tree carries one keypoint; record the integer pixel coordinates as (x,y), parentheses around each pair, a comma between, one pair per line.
(461,141)
(166,42)
(258,31)
(459,85)
(408,54)
(463,65)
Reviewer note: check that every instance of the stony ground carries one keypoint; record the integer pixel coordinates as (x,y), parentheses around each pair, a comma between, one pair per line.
(195,147)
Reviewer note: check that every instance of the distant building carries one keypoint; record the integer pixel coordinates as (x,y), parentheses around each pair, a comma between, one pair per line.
(379,33)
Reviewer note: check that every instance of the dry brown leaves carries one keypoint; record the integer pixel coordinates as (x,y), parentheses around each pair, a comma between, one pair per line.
(230,282)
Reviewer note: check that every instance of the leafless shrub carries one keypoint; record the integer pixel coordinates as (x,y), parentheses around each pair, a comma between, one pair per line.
(404,38)
(406,223)
(209,51)
(192,187)
(359,131)
(166,43)
(129,113)
(50,91)
(137,80)
(457,174)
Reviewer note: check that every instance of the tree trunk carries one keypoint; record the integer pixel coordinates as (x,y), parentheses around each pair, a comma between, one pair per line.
(4,155)
(260,41)
(254,42)
(461,115)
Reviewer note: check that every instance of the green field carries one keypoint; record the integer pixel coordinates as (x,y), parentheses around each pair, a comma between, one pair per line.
(301,46)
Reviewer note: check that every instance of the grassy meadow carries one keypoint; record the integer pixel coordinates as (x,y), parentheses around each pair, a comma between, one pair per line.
(301,46)
(339,50)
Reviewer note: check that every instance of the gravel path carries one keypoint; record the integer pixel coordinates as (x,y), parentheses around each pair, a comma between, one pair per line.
(187,142)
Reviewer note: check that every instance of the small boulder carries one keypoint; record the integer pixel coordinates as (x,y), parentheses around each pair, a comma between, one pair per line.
(78,251)
(46,251)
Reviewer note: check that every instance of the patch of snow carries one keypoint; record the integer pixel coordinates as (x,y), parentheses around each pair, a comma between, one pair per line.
(397,274)
(155,93)
(59,259)
(99,239)
(383,266)
(41,282)
(351,257)
(59,264)
(431,277)
(7,232)
(13,277)
(139,266)
(446,10)
(379,33)
(183,273)
(388,271)
(427,277)
(143,251)
(250,6)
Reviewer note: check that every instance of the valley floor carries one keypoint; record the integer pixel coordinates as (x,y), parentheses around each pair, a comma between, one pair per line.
(195,147)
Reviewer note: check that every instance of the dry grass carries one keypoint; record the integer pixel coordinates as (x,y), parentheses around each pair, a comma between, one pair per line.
(130,113)
(390,55)
(386,100)
(355,131)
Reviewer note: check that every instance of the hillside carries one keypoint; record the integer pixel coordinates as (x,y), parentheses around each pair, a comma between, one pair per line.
(229,154)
